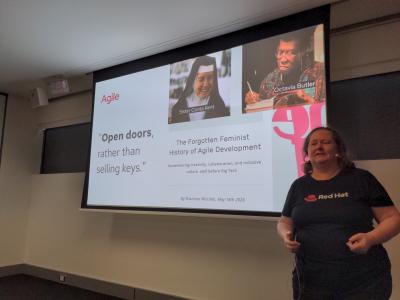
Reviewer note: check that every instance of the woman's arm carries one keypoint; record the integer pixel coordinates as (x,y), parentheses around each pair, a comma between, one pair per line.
(285,230)
(388,218)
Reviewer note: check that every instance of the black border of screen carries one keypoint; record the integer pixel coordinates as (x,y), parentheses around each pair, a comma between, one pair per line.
(3,125)
(312,17)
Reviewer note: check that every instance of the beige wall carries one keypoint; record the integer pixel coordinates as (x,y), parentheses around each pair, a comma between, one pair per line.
(201,258)
(15,180)
(365,51)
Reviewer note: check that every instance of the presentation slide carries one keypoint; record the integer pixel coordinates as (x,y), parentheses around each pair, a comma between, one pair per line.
(222,132)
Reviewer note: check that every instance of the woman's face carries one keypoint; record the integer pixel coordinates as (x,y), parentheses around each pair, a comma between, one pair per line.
(322,148)
(203,84)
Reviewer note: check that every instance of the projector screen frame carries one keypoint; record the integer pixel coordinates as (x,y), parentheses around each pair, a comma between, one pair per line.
(269,29)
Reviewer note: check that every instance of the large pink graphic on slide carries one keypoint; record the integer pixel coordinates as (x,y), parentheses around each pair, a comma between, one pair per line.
(302,121)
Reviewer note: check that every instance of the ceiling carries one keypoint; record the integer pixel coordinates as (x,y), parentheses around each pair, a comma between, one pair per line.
(44,38)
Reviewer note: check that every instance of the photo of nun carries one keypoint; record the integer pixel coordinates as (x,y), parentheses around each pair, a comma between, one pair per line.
(200,98)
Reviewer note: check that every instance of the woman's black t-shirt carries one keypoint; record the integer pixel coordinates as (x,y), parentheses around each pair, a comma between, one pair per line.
(326,214)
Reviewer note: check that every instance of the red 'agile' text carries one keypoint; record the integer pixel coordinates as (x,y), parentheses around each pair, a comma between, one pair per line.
(110,98)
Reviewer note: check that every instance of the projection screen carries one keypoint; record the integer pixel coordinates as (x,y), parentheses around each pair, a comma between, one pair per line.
(214,127)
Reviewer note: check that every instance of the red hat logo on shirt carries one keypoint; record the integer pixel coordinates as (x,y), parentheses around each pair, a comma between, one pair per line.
(311,198)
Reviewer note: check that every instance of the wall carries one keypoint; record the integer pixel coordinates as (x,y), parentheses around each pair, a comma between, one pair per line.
(201,258)
(17,165)
(365,51)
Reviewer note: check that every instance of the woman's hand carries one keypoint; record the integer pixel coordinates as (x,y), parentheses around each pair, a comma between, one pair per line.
(285,230)
(388,219)
(360,243)
(291,244)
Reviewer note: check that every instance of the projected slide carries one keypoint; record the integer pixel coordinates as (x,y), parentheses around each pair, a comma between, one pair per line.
(217,132)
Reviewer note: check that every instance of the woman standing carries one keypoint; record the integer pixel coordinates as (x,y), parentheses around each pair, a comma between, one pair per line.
(327,221)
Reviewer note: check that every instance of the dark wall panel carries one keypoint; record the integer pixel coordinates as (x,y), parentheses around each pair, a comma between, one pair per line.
(366,111)
(65,149)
